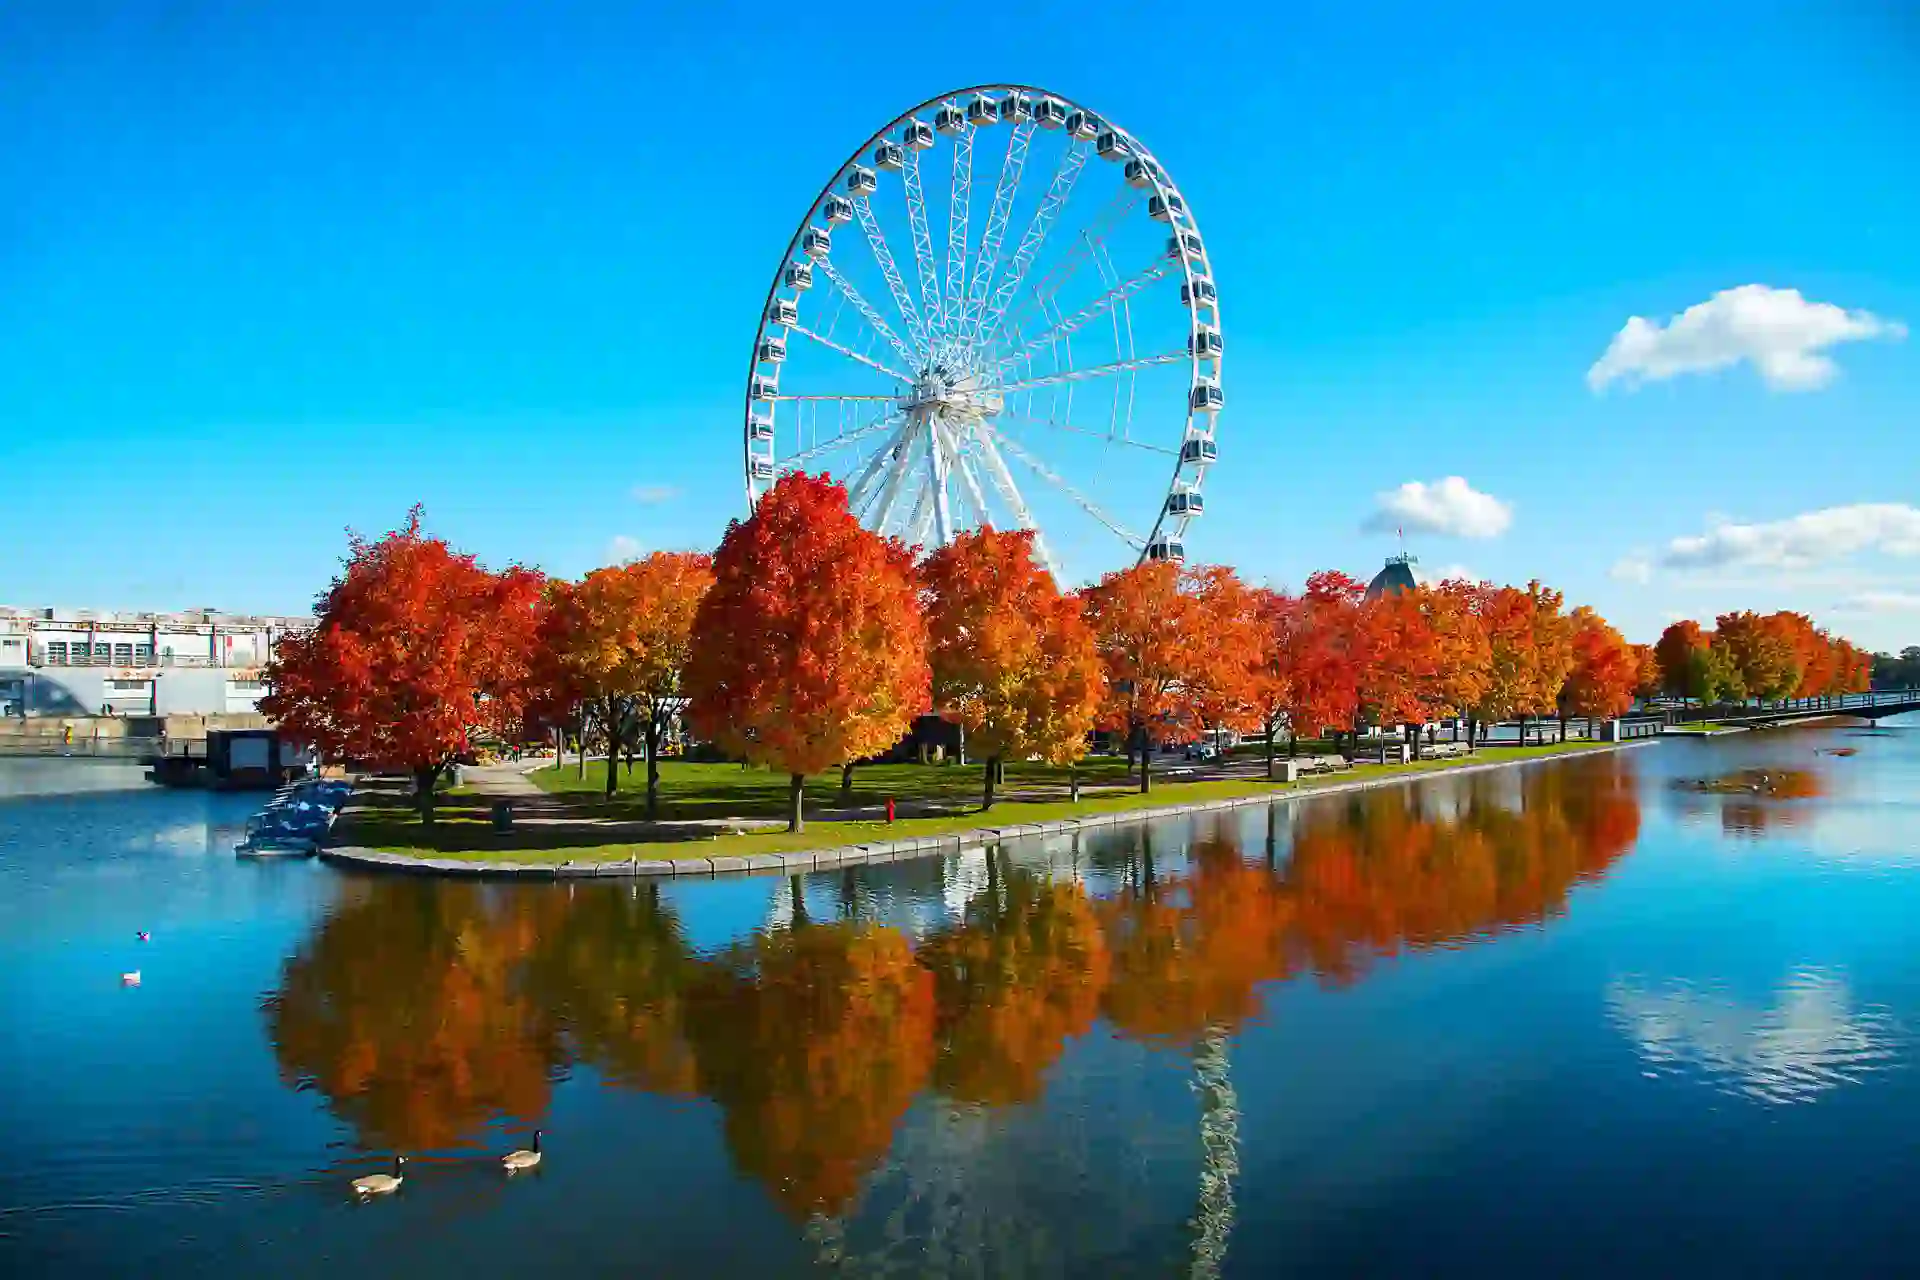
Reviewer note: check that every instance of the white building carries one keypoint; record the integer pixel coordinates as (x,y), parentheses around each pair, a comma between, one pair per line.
(82,662)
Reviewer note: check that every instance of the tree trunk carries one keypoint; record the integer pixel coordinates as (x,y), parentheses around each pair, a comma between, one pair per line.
(1418,730)
(1146,762)
(1563,727)
(992,767)
(613,747)
(653,766)
(796,820)
(1073,783)
(1270,733)
(799,901)
(581,743)
(846,785)
(1293,743)
(425,780)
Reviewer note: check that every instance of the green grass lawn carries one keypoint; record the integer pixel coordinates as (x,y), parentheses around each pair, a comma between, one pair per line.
(729,791)
(462,830)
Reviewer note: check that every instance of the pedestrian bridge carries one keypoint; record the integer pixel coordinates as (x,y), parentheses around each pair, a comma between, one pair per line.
(1877,705)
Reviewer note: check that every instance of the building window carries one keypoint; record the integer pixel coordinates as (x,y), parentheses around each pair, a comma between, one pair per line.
(143,654)
(247,686)
(123,655)
(57,653)
(102,654)
(130,686)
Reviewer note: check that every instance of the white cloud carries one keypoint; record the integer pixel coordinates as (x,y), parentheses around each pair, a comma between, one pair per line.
(1782,333)
(621,548)
(1632,568)
(1878,602)
(1449,506)
(650,495)
(1892,528)
(1446,573)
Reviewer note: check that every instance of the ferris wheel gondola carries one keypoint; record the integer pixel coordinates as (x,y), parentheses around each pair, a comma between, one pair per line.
(1044,353)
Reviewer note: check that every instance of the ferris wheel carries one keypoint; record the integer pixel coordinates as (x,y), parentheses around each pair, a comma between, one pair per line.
(1045,354)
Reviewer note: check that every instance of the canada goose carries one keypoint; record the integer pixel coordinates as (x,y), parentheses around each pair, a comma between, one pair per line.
(130,979)
(514,1161)
(144,936)
(380,1184)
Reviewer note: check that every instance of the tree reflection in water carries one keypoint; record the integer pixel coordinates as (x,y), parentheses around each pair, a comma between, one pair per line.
(425,1011)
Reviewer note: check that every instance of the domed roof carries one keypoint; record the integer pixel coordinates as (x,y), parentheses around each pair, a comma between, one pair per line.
(1395,578)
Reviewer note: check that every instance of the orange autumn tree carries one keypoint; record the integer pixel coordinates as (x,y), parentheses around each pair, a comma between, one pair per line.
(809,651)
(1400,670)
(1143,625)
(1647,679)
(1463,652)
(1605,671)
(1013,667)
(1066,690)
(1283,622)
(1224,686)
(618,638)
(1762,655)
(414,644)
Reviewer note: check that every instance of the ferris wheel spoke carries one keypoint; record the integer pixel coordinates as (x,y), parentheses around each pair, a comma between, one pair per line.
(1002,481)
(969,482)
(1105,436)
(1068,263)
(960,202)
(864,480)
(1004,192)
(922,519)
(839,442)
(1035,237)
(887,399)
(1093,371)
(849,352)
(929,273)
(865,309)
(1088,314)
(896,473)
(883,255)
(1053,478)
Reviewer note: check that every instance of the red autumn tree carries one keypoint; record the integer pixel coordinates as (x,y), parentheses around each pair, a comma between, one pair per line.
(1325,655)
(809,651)
(413,645)
(1282,634)
(1552,652)
(1605,671)
(1009,664)
(1143,627)
(1675,653)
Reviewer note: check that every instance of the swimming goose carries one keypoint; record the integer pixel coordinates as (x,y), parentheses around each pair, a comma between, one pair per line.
(514,1161)
(130,979)
(144,936)
(380,1184)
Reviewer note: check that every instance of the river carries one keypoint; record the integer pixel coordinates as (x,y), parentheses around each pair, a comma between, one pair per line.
(1571,1018)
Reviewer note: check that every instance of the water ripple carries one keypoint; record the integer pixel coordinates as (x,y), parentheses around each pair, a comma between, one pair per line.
(1810,1040)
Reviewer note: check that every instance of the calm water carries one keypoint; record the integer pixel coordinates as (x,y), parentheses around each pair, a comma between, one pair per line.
(1567,1017)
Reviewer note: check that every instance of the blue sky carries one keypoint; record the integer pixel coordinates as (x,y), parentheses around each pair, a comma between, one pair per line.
(274,271)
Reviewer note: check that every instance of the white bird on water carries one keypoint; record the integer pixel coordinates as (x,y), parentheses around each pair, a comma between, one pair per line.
(130,979)
(514,1161)
(380,1184)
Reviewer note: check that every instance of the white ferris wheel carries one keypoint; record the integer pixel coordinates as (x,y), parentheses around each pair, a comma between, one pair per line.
(1044,355)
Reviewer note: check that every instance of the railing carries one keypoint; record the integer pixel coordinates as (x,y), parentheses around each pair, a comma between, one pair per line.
(53,746)
(1835,702)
